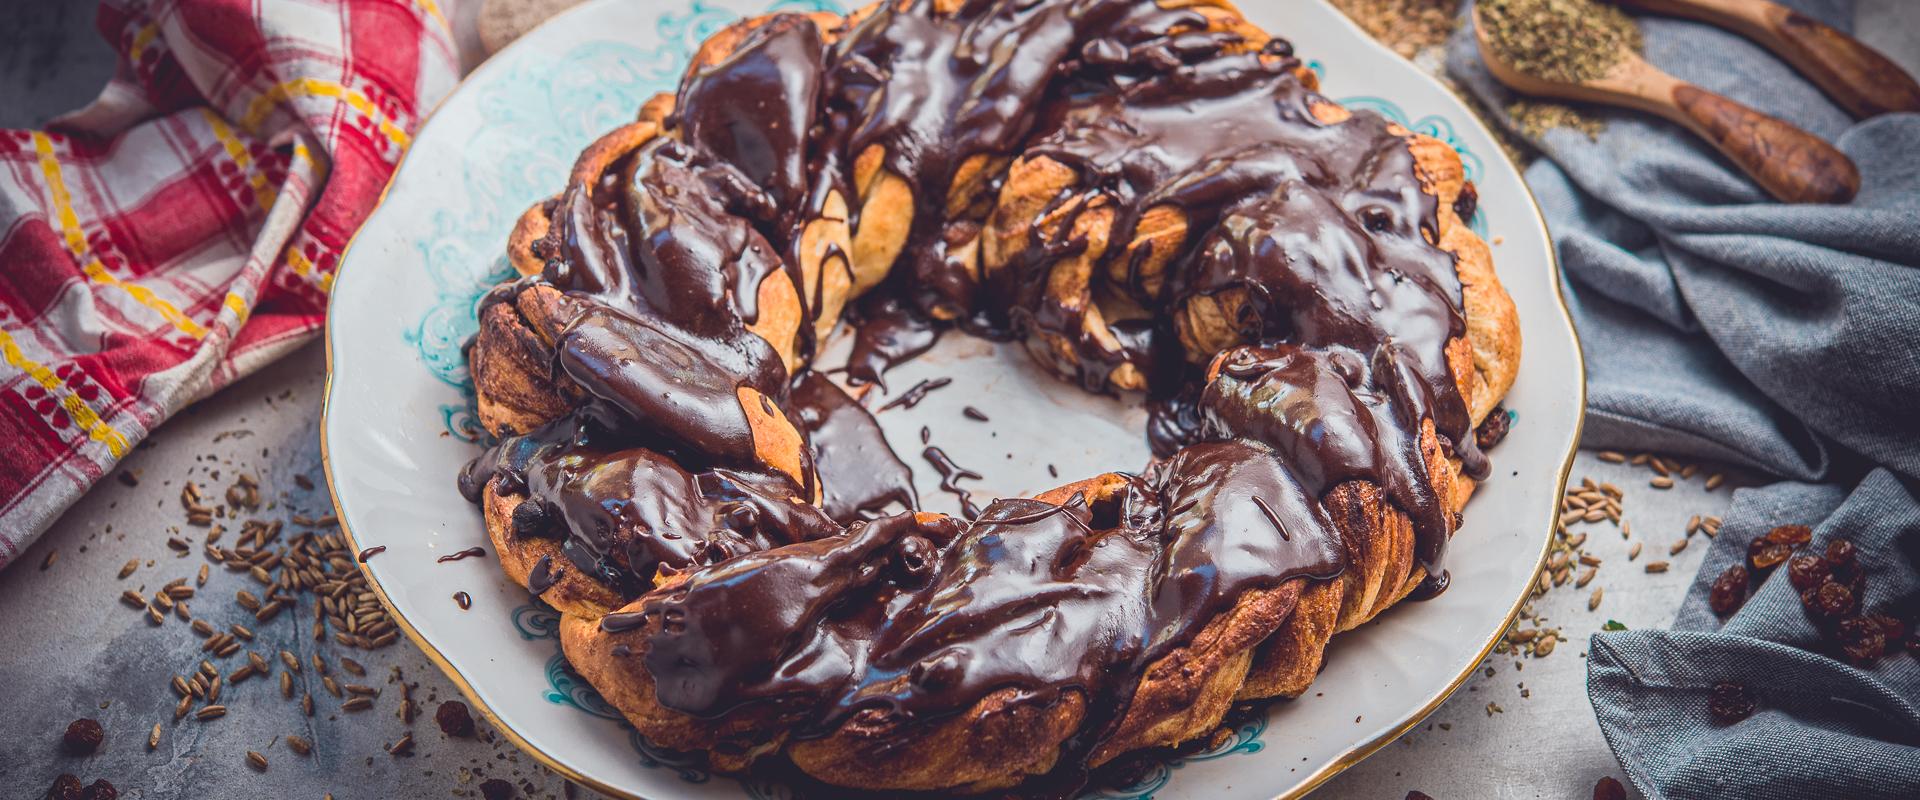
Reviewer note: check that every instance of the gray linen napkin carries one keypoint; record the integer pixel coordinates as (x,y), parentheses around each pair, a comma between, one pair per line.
(1782,338)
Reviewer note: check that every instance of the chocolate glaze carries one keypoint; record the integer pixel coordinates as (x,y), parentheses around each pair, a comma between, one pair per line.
(888,332)
(1321,410)
(624,514)
(1319,233)
(371,552)
(463,600)
(902,621)
(861,474)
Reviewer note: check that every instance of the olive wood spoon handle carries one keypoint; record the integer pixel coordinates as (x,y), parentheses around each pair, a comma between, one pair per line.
(1856,76)
(1792,165)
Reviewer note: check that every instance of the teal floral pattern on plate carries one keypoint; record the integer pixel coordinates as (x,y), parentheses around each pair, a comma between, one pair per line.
(565,687)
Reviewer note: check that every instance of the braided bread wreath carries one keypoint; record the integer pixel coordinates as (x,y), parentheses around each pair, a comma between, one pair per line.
(1153,197)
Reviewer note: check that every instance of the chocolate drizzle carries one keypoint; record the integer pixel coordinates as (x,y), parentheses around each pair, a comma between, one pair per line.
(462,555)
(951,474)
(796,596)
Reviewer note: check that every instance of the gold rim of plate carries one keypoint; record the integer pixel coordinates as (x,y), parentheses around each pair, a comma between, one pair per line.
(1352,756)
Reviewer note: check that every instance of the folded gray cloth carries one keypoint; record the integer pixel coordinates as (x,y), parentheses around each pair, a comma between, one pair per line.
(1720,325)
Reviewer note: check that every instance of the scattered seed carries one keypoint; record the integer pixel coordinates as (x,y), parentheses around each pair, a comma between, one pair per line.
(210,712)
(286,684)
(241,631)
(1633,551)
(1589,560)
(133,599)
(1677,546)
(153,737)
(180,710)
(402,747)
(128,568)
(1656,566)
(1714,481)
(257,761)
(356,704)
(1545,645)
(1661,482)
(1594,601)
(1612,457)
(1586,576)
(293,664)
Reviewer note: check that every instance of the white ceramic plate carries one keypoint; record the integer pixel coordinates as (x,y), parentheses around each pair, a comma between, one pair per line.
(397,426)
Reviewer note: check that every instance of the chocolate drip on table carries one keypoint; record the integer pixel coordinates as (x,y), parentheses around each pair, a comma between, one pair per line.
(1319,232)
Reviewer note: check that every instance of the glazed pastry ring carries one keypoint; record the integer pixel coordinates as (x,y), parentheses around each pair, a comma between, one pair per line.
(1152,198)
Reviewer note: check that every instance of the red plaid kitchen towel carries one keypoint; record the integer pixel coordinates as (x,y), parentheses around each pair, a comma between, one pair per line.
(183,230)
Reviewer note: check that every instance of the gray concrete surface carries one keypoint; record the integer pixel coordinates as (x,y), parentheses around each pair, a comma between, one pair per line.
(68,649)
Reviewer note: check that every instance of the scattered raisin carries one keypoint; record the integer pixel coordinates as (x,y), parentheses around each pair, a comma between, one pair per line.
(1862,640)
(1790,535)
(1765,554)
(1893,628)
(1609,789)
(1807,572)
(65,787)
(1829,603)
(101,790)
(1729,591)
(1730,703)
(1842,557)
(83,737)
(496,789)
(454,719)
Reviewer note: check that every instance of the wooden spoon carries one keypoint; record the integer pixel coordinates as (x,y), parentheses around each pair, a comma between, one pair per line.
(1791,164)
(1856,76)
